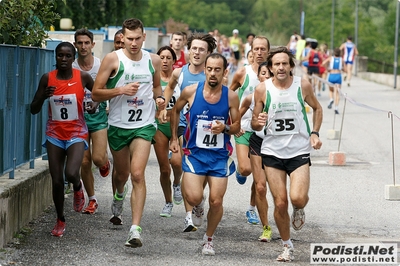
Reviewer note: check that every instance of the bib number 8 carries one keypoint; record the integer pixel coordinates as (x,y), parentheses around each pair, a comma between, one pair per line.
(64,113)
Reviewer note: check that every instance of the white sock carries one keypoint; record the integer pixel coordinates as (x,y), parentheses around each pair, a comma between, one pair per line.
(189,215)
(134,227)
(93,198)
(205,237)
(252,208)
(287,242)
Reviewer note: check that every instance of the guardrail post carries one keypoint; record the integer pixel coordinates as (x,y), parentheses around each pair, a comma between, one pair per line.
(15,112)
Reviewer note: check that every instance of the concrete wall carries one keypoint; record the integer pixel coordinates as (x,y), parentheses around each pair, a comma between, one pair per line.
(385,79)
(23,198)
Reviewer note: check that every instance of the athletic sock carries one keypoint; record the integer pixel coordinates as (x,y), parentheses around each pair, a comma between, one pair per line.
(288,242)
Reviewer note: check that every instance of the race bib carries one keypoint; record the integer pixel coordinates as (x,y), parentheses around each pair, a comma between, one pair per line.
(235,47)
(87,100)
(132,109)
(205,139)
(64,107)
(171,103)
(282,124)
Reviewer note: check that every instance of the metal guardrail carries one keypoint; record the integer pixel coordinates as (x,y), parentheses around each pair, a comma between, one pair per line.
(378,66)
(21,133)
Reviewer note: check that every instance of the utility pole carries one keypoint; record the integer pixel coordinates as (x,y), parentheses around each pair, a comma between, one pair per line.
(396,43)
(356,38)
(332,24)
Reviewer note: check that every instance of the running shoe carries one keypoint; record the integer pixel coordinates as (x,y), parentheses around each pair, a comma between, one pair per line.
(117,207)
(58,229)
(116,220)
(189,226)
(240,179)
(198,213)
(167,210)
(208,247)
(330,104)
(298,218)
(67,188)
(252,217)
(336,112)
(105,170)
(266,234)
(177,194)
(287,254)
(92,207)
(79,199)
(134,240)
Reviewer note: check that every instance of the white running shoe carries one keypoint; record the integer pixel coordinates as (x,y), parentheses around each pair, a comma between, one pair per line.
(134,240)
(118,203)
(208,247)
(167,210)
(287,254)
(189,226)
(198,213)
(177,194)
(298,218)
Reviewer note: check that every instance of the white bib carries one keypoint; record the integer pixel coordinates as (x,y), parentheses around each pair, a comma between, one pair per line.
(64,107)
(205,139)
(131,109)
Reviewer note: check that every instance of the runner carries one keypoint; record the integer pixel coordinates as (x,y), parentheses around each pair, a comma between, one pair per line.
(200,45)
(212,118)
(66,130)
(246,80)
(96,122)
(130,79)
(283,117)
(162,137)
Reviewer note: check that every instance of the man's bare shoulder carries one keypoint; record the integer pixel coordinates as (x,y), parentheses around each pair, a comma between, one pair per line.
(155,58)
(176,72)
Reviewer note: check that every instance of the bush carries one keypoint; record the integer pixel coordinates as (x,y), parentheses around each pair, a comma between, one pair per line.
(25,22)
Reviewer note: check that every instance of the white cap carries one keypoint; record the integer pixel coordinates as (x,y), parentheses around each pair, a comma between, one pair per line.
(235,31)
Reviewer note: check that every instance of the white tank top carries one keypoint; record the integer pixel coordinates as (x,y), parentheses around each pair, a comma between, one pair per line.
(249,85)
(138,110)
(93,73)
(287,130)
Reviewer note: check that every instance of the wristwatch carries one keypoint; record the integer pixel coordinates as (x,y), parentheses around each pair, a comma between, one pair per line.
(315,132)
(227,128)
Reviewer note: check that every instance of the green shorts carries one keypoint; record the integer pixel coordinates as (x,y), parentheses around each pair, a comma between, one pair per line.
(121,137)
(244,139)
(96,121)
(164,128)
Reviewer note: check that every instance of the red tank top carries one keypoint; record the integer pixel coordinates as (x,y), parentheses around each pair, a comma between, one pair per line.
(181,62)
(66,119)
(314,60)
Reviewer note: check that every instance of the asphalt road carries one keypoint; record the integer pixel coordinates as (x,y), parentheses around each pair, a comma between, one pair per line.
(347,205)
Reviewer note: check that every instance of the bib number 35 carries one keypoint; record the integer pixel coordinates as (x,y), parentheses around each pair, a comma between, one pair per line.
(284,125)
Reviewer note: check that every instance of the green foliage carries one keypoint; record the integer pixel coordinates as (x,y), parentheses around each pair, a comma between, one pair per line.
(276,19)
(24,22)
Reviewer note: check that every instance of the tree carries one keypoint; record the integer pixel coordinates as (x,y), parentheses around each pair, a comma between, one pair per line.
(24,22)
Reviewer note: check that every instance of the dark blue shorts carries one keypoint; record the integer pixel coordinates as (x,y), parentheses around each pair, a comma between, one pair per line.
(208,163)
